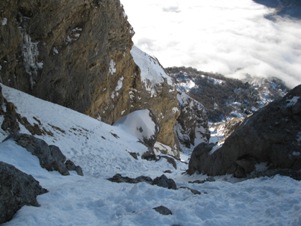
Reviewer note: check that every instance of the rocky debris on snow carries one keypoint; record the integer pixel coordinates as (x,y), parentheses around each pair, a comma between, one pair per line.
(50,156)
(118,178)
(165,182)
(163,210)
(151,156)
(272,136)
(16,190)
(161,181)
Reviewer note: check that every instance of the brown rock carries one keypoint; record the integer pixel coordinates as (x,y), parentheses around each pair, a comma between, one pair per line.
(77,54)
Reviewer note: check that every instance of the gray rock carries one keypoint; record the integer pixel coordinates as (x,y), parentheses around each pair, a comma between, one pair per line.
(16,190)
(271,135)
(118,178)
(165,182)
(199,158)
(163,210)
(161,181)
(50,156)
(71,166)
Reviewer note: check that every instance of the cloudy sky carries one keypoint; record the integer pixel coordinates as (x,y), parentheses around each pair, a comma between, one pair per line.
(230,37)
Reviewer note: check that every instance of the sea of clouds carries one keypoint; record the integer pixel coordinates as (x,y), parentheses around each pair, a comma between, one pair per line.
(231,37)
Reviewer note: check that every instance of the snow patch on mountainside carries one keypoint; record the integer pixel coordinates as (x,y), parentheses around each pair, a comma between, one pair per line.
(139,124)
(152,73)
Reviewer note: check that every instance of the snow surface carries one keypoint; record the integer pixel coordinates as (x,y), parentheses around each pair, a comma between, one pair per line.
(152,73)
(102,151)
(112,68)
(139,124)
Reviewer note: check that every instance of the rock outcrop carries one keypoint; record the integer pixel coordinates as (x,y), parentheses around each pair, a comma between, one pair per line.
(79,54)
(272,135)
(16,190)
(192,124)
(50,156)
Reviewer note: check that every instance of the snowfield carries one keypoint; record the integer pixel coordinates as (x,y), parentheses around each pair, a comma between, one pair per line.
(103,150)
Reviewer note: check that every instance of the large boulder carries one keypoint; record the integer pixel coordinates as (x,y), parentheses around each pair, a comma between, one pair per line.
(272,135)
(79,54)
(16,190)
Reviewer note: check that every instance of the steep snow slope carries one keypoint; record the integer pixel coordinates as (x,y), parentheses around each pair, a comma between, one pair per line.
(102,150)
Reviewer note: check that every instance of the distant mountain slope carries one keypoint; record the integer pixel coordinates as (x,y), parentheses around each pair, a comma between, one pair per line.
(226,98)
(290,8)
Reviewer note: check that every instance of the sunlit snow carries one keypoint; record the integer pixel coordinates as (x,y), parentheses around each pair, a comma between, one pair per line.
(103,150)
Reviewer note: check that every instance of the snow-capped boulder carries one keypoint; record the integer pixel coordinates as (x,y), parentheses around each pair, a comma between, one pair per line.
(272,135)
(16,190)
(140,124)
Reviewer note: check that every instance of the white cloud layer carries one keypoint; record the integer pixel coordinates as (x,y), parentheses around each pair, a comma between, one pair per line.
(230,37)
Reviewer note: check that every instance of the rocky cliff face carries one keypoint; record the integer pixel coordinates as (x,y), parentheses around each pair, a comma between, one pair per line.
(68,52)
(78,54)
